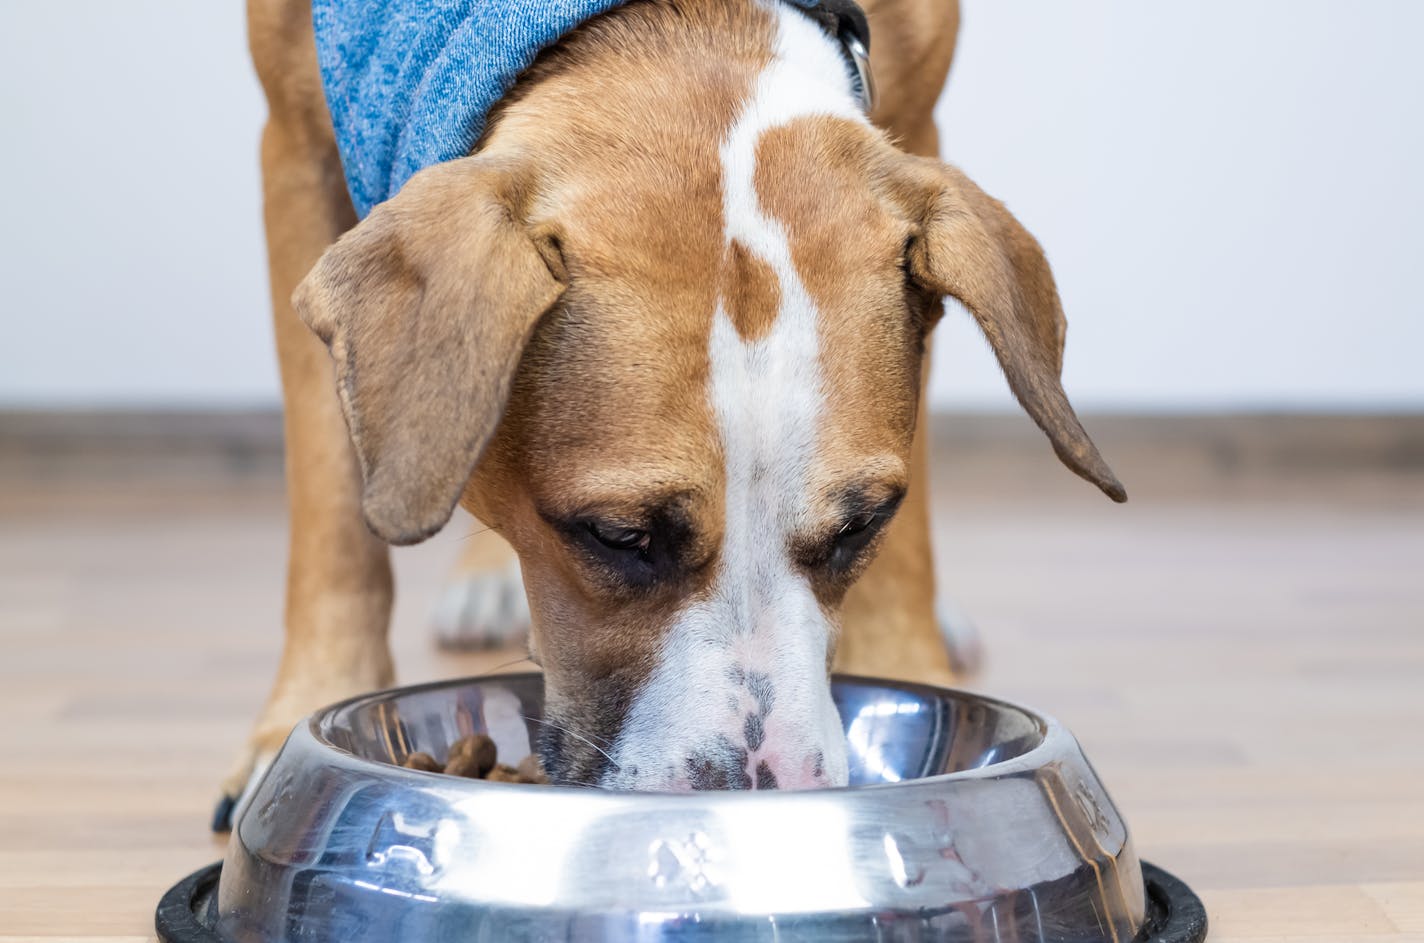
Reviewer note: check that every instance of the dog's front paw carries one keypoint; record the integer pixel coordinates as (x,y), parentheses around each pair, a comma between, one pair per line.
(483,609)
(296,695)
(246,774)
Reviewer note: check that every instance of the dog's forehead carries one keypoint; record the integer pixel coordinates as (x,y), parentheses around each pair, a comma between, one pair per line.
(756,208)
(622,373)
(816,176)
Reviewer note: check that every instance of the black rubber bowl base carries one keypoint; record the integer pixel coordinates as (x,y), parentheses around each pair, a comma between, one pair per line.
(1174,912)
(186,908)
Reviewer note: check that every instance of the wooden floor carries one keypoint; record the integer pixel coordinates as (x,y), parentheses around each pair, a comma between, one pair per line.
(1240,649)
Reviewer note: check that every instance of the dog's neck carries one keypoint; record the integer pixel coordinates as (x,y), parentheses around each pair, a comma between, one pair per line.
(669,68)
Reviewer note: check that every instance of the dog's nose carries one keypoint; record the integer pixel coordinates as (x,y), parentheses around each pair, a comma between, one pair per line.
(726,765)
(705,772)
(773,771)
(721,764)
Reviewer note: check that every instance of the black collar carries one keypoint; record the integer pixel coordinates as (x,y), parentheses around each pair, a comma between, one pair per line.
(844,21)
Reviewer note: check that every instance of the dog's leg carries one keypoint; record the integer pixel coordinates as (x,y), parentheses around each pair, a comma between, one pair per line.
(338,575)
(893,622)
(484,605)
(897,621)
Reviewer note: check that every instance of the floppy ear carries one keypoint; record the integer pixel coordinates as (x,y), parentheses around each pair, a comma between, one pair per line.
(426,307)
(965,244)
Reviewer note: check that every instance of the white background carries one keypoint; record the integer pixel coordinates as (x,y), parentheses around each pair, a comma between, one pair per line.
(1230,193)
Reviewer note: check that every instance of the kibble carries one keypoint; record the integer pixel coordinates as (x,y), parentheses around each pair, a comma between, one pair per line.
(532,771)
(503,774)
(472,757)
(423,762)
(477,757)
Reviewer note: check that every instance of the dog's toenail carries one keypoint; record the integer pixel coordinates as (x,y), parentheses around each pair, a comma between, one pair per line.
(222,814)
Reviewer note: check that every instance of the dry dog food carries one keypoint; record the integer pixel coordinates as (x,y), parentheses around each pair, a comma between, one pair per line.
(477,757)
(423,762)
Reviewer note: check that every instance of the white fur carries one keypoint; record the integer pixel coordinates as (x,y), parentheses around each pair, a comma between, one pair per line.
(761,615)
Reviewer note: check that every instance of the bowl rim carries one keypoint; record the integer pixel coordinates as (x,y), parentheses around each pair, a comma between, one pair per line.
(1054,737)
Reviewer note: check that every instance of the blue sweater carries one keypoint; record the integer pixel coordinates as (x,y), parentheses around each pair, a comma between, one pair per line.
(409,82)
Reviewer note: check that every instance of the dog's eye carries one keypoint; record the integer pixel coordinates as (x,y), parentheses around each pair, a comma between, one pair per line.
(624,549)
(620,538)
(857,525)
(857,532)
(853,537)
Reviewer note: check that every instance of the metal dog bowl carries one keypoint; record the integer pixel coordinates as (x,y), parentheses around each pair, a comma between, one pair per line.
(968,819)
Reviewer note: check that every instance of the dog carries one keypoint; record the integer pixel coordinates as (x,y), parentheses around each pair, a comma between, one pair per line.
(664,331)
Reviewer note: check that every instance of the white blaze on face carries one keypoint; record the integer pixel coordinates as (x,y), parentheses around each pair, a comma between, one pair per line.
(740,696)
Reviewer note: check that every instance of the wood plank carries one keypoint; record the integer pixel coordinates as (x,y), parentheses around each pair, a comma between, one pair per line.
(1239,649)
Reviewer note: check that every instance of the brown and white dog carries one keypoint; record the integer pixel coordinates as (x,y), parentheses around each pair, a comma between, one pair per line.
(665,333)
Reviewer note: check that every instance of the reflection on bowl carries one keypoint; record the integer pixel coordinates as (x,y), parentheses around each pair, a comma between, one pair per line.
(967,819)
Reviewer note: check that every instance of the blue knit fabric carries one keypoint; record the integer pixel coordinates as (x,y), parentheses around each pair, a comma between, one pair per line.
(409,82)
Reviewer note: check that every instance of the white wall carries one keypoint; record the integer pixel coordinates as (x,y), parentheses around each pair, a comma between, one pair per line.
(1230,193)
(132,268)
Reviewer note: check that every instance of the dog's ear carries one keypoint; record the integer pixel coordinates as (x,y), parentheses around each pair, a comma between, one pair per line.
(426,307)
(965,244)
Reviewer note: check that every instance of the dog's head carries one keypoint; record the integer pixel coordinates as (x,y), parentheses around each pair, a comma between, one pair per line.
(666,336)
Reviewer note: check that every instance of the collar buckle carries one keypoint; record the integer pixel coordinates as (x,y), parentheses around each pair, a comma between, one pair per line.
(845,22)
(859,58)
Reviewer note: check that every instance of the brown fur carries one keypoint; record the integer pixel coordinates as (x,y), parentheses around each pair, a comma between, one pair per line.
(749,292)
(423,346)
(542,309)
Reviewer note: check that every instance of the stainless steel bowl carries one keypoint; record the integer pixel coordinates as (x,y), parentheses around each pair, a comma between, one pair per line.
(968,818)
